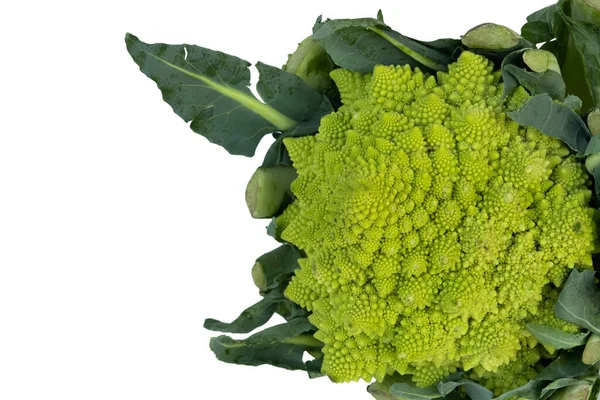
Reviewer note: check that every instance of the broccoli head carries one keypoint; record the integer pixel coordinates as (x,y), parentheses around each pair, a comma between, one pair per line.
(434,226)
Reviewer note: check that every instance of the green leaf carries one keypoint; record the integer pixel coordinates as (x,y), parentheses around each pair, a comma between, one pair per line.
(474,390)
(210,89)
(252,317)
(275,267)
(567,365)
(531,390)
(579,301)
(509,80)
(557,384)
(585,40)
(287,93)
(272,229)
(360,44)
(539,26)
(574,103)
(553,119)
(410,392)
(556,338)
(351,45)
(281,346)
(549,82)
(427,56)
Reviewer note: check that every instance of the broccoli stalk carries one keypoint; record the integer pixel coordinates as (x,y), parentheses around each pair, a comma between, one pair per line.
(267,190)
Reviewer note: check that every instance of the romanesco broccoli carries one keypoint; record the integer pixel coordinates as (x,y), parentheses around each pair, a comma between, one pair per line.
(434,226)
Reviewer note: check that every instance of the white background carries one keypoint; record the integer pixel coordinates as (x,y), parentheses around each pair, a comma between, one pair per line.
(121,230)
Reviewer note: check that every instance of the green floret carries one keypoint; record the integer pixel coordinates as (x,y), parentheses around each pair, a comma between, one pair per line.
(434,227)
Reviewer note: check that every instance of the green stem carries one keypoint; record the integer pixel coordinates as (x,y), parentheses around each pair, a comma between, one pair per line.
(408,51)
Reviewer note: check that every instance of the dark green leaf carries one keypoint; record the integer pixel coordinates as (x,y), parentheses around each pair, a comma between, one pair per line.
(556,338)
(537,32)
(313,367)
(252,317)
(380,15)
(318,23)
(447,46)
(272,229)
(351,45)
(579,301)
(539,26)
(410,392)
(287,93)
(549,82)
(281,345)
(210,89)
(585,39)
(567,365)
(553,119)
(510,81)
(474,390)
(531,390)
(557,384)
(574,103)
(275,267)
(429,57)
(360,44)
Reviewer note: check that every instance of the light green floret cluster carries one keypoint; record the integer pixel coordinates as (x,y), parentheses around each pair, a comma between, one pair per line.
(434,226)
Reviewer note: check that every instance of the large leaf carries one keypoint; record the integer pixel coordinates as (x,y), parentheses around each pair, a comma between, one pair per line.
(474,390)
(553,119)
(211,89)
(567,365)
(556,338)
(585,40)
(281,346)
(539,26)
(579,301)
(275,267)
(360,44)
(549,82)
